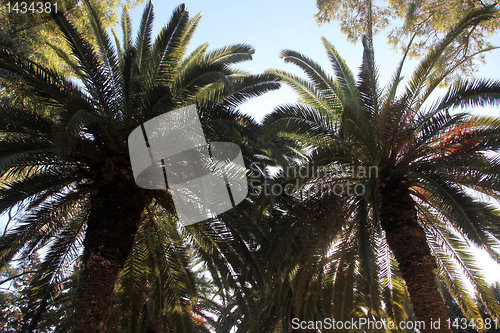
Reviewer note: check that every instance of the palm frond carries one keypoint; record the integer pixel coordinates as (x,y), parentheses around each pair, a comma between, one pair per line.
(143,40)
(470,93)
(368,81)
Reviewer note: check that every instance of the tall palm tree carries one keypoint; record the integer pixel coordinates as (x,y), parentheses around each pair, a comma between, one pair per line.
(437,170)
(65,162)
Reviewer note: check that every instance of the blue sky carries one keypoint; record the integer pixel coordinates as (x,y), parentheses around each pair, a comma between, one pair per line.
(271,26)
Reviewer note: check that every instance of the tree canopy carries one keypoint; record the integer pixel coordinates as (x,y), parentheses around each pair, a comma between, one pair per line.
(424,20)
(36,34)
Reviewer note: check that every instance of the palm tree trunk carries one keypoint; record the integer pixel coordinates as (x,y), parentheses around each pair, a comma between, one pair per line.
(111,228)
(407,240)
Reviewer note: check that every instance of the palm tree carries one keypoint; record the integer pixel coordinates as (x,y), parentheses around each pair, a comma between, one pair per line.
(437,169)
(65,162)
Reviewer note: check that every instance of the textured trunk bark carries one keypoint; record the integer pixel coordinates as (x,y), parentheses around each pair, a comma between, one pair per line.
(407,240)
(112,224)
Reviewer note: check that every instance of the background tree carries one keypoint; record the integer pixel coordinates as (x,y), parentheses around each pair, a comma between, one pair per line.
(13,297)
(17,299)
(37,37)
(427,21)
(32,34)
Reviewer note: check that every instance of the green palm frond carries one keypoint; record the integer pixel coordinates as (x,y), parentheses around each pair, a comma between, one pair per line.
(44,82)
(343,74)
(143,41)
(69,61)
(299,119)
(166,47)
(231,54)
(187,35)
(126,24)
(99,85)
(325,85)
(194,56)
(454,262)
(368,80)
(106,51)
(243,89)
(54,269)
(308,93)
(392,88)
(470,93)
